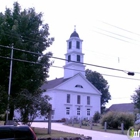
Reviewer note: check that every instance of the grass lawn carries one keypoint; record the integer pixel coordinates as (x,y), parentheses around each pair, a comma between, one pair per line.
(42,133)
(100,128)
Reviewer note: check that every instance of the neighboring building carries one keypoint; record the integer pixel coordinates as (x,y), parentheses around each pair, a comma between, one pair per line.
(124,107)
(73,95)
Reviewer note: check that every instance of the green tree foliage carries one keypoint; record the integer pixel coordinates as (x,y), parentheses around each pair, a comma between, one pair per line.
(3,100)
(114,119)
(101,84)
(24,29)
(31,106)
(96,117)
(136,99)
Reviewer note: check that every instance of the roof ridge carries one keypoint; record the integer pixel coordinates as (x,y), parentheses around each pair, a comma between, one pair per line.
(122,103)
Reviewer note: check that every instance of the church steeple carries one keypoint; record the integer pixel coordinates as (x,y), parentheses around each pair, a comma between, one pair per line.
(74,27)
(74,53)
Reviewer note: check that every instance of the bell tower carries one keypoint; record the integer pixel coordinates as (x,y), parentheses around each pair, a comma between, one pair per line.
(74,56)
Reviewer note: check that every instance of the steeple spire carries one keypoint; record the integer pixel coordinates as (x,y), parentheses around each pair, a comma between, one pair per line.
(74,27)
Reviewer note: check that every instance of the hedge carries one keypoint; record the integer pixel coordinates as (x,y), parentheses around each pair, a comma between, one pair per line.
(114,119)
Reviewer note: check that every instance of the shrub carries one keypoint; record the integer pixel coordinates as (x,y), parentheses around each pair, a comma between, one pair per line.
(127,119)
(96,117)
(63,120)
(114,119)
(111,120)
(85,123)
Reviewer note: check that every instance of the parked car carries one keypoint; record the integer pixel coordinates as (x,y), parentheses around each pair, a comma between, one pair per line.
(10,132)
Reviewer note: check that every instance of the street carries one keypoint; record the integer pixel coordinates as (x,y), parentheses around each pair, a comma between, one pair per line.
(96,135)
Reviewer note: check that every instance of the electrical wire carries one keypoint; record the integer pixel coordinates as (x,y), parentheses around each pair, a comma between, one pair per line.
(121,70)
(116,34)
(100,73)
(115,37)
(36,41)
(119,28)
(20,60)
(65,68)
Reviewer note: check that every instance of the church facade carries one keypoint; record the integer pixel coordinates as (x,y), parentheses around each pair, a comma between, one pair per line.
(73,96)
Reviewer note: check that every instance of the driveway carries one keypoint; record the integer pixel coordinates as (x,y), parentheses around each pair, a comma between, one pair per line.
(94,134)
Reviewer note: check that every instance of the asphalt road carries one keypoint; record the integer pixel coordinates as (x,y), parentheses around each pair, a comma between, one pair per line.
(94,134)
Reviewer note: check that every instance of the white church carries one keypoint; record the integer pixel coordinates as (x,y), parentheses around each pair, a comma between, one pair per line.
(73,95)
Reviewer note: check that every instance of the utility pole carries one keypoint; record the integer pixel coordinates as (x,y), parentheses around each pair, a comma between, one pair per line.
(9,87)
(49,120)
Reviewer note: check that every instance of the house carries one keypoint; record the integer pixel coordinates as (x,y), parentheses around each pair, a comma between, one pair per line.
(124,107)
(73,95)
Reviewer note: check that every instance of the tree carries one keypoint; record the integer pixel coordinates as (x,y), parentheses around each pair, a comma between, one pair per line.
(101,84)
(23,29)
(96,117)
(3,100)
(32,106)
(136,100)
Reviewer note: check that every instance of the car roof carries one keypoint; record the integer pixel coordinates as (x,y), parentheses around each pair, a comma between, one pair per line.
(12,126)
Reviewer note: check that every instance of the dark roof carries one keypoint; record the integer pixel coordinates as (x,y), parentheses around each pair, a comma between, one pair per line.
(125,107)
(53,83)
(74,34)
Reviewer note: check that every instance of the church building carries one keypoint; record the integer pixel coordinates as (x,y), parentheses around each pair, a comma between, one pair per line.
(73,95)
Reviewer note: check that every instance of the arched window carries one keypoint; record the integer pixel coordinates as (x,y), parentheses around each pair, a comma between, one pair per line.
(79,86)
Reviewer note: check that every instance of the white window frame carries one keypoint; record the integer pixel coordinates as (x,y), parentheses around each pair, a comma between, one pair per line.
(67,110)
(88,100)
(78,99)
(88,111)
(78,111)
(68,98)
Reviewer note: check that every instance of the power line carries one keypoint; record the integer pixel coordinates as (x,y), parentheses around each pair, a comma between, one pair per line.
(24,38)
(126,71)
(20,60)
(120,28)
(115,37)
(95,65)
(100,73)
(36,41)
(116,34)
(66,68)
(25,50)
(71,69)
(21,50)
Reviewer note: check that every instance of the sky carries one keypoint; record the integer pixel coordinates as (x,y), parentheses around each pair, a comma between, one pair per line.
(110,30)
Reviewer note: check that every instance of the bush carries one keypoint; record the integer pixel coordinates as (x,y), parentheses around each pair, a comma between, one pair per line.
(63,120)
(126,118)
(96,117)
(114,119)
(85,123)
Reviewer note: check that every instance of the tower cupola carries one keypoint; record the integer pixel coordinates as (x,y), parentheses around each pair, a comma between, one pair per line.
(74,56)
